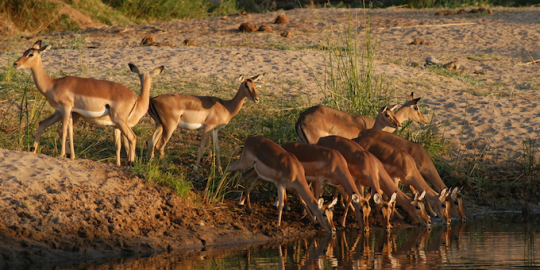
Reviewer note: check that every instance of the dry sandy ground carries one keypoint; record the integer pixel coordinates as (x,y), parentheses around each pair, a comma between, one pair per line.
(53,209)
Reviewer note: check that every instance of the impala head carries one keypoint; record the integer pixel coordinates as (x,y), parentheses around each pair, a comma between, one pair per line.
(362,210)
(414,111)
(387,117)
(456,203)
(442,206)
(249,87)
(386,208)
(31,57)
(326,216)
(420,214)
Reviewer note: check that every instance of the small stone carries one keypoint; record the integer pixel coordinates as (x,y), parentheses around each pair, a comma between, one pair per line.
(190,42)
(439,13)
(281,19)
(247,27)
(287,34)
(148,40)
(461,11)
(265,28)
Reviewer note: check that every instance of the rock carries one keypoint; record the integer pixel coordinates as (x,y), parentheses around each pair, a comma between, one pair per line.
(431,61)
(287,34)
(281,19)
(190,42)
(265,28)
(148,40)
(247,27)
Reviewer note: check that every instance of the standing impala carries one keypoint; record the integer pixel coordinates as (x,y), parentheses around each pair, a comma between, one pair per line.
(97,101)
(321,121)
(138,112)
(423,163)
(170,111)
(401,167)
(272,163)
(370,172)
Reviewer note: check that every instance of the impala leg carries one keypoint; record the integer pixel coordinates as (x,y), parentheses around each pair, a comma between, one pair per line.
(281,195)
(118,144)
(246,176)
(44,124)
(71,142)
(66,117)
(248,191)
(204,138)
(132,140)
(216,146)
(156,138)
(165,134)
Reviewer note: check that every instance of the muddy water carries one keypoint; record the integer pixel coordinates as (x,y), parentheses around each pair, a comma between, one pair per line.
(494,241)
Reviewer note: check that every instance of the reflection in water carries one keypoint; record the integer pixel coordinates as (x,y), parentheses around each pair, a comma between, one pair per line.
(499,241)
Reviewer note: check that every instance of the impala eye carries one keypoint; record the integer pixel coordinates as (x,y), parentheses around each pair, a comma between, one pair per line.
(387,115)
(418,207)
(456,203)
(443,205)
(31,55)
(416,108)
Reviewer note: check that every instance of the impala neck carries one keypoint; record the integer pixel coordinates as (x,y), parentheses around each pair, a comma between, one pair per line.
(402,114)
(144,99)
(303,191)
(43,82)
(234,105)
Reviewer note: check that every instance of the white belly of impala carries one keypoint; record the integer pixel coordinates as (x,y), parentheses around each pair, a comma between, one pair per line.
(184,125)
(90,114)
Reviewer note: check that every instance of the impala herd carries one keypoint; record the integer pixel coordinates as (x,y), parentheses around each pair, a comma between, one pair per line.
(345,151)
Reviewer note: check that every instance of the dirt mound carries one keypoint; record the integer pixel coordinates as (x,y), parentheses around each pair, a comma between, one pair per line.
(57,209)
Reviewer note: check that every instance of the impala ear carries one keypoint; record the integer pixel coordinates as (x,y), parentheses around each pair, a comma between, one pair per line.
(393,198)
(443,194)
(320,203)
(332,204)
(157,70)
(421,195)
(367,197)
(384,108)
(48,47)
(241,78)
(414,101)
(134,68)
(258,77)
(393,107)
(411,97)
(37,45)
(377,198)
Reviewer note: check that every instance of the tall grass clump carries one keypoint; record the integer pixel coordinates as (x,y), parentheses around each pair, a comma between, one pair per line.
(152,172)
(350,83)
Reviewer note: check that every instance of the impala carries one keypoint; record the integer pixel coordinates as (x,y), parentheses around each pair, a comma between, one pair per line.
(321,121)
(99,102)
(272,163)
(139,111)
(370,172)
(402,168)
(423,163)
(408,111)
(170,111)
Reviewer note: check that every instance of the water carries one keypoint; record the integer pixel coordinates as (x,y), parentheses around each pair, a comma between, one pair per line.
(494,241)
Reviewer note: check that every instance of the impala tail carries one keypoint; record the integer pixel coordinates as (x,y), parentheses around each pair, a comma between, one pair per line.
(152,111)
(300,132)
